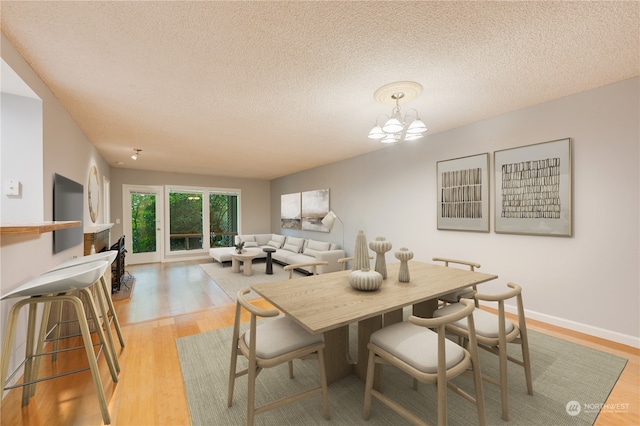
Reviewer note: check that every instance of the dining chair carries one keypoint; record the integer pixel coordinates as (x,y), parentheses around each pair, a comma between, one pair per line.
(313,265)
(467,292)
(343,261)
(493,332)
(428,357)
(270,344)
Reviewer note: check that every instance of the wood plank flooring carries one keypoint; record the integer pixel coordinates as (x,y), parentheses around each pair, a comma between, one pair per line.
(173,300)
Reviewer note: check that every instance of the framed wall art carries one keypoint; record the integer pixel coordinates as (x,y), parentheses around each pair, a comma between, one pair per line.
(290,217)
(315,206)
(463,193)
(533,189)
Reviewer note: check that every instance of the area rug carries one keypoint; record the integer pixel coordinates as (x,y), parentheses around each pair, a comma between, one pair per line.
(232,282)
(565,376)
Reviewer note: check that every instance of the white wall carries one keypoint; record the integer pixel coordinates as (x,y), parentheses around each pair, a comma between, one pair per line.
(589,282)
(63,149)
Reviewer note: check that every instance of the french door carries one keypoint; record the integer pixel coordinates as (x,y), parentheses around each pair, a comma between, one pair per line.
(142,221)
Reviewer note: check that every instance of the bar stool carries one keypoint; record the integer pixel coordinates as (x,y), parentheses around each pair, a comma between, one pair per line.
(108,312)
(53,287)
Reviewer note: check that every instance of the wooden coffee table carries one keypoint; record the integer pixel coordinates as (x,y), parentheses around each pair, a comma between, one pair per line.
(246,257)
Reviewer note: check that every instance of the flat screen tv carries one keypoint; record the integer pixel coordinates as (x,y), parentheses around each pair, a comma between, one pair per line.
(68,203)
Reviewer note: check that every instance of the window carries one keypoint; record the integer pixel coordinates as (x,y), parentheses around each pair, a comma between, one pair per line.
(194,213)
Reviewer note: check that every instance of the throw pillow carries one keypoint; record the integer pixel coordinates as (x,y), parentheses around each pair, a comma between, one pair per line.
(295,241)
(250,244)
(310,252)
(278,238)
(274,244)
(318,245)
(291,247)
(248,238)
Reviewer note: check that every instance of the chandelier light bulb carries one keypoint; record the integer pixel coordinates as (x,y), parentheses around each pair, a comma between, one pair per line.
(398,128)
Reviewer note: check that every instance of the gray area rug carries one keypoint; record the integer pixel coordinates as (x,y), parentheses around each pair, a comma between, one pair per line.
(562,372)
(232,282)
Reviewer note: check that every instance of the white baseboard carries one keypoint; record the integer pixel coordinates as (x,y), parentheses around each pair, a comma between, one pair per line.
(602,333)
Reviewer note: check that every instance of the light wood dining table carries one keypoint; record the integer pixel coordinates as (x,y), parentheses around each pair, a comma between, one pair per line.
(327,304)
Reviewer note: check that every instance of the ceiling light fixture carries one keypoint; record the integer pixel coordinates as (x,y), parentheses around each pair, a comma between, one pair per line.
(397,128)
(135,156)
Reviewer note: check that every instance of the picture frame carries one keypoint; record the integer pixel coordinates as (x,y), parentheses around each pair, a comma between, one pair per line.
(463,193)
(315,206)
(533,189)
(290,213)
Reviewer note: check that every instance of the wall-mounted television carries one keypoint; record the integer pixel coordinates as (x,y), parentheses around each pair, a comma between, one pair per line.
(68,203)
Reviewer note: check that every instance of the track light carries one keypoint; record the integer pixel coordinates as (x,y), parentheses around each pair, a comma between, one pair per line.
(137,152)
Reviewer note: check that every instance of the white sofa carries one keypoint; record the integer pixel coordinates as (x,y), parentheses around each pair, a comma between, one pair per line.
(289,251)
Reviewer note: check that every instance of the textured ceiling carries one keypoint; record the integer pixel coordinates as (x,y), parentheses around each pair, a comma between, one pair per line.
(265,89)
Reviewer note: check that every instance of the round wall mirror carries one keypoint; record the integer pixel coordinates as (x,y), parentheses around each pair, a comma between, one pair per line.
(94,194)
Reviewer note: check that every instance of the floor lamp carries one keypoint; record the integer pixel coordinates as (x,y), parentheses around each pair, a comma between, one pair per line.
(329,220)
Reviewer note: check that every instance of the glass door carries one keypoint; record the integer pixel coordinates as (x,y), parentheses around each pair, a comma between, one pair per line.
(143,223)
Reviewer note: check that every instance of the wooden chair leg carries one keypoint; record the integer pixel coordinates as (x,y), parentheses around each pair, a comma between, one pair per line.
(290,369)
(502,355)
(41,336)
(91,357)
(323,384)
(112,309)
(107,327)
(105,346)
(29,354)
(368,387)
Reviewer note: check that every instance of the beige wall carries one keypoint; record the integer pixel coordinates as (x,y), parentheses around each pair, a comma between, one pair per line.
(65,150)
(589,282)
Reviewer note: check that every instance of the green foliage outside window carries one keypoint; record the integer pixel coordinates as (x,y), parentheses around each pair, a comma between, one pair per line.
(143,223)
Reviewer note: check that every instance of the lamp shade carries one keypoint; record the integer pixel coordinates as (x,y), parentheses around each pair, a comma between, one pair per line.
(329,220)
(417,126)
(376,133)
(393,125)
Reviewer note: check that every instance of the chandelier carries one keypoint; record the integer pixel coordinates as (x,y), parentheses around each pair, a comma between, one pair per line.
(396,127)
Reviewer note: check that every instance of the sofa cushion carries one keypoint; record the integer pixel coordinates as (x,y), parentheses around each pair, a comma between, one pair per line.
(291,248)
(278,238)
(250,244)
(295,241)
(274,244)
(334,246)
(263,239)
(248,238)
(310,252)
(318,245)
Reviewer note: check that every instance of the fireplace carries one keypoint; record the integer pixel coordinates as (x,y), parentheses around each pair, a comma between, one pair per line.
(117,267)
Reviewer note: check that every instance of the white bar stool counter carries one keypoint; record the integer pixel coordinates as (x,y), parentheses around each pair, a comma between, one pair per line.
(108,313)
(54,286)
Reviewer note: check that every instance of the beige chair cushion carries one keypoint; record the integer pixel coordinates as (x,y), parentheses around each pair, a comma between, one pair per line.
(486,323)
(416,346)
(281,336)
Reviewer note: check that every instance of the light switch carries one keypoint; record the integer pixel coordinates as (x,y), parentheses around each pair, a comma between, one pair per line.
(12,187)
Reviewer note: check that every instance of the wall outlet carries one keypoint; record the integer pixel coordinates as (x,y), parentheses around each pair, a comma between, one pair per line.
(12,187)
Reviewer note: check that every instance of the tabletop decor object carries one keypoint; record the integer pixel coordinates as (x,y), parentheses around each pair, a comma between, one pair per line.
(239,247)
(404,255)
(365,279)
(361,253)
(381,246)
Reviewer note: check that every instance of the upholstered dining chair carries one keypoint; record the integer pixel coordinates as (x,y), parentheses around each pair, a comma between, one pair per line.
(313,265)
(344,260)
(270,344)
(428,357)
(493,332)
(466,292)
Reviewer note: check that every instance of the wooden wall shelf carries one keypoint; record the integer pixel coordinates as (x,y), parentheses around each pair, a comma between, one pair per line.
(37,227)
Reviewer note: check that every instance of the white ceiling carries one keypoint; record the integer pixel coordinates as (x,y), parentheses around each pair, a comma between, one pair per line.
(265,89)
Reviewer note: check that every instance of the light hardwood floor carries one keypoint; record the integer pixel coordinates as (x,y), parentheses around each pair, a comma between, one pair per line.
(173,300)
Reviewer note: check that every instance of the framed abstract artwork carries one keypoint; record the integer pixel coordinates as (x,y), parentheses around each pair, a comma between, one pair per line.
(290,217)
(533,189)
(315,206)
(463,193)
